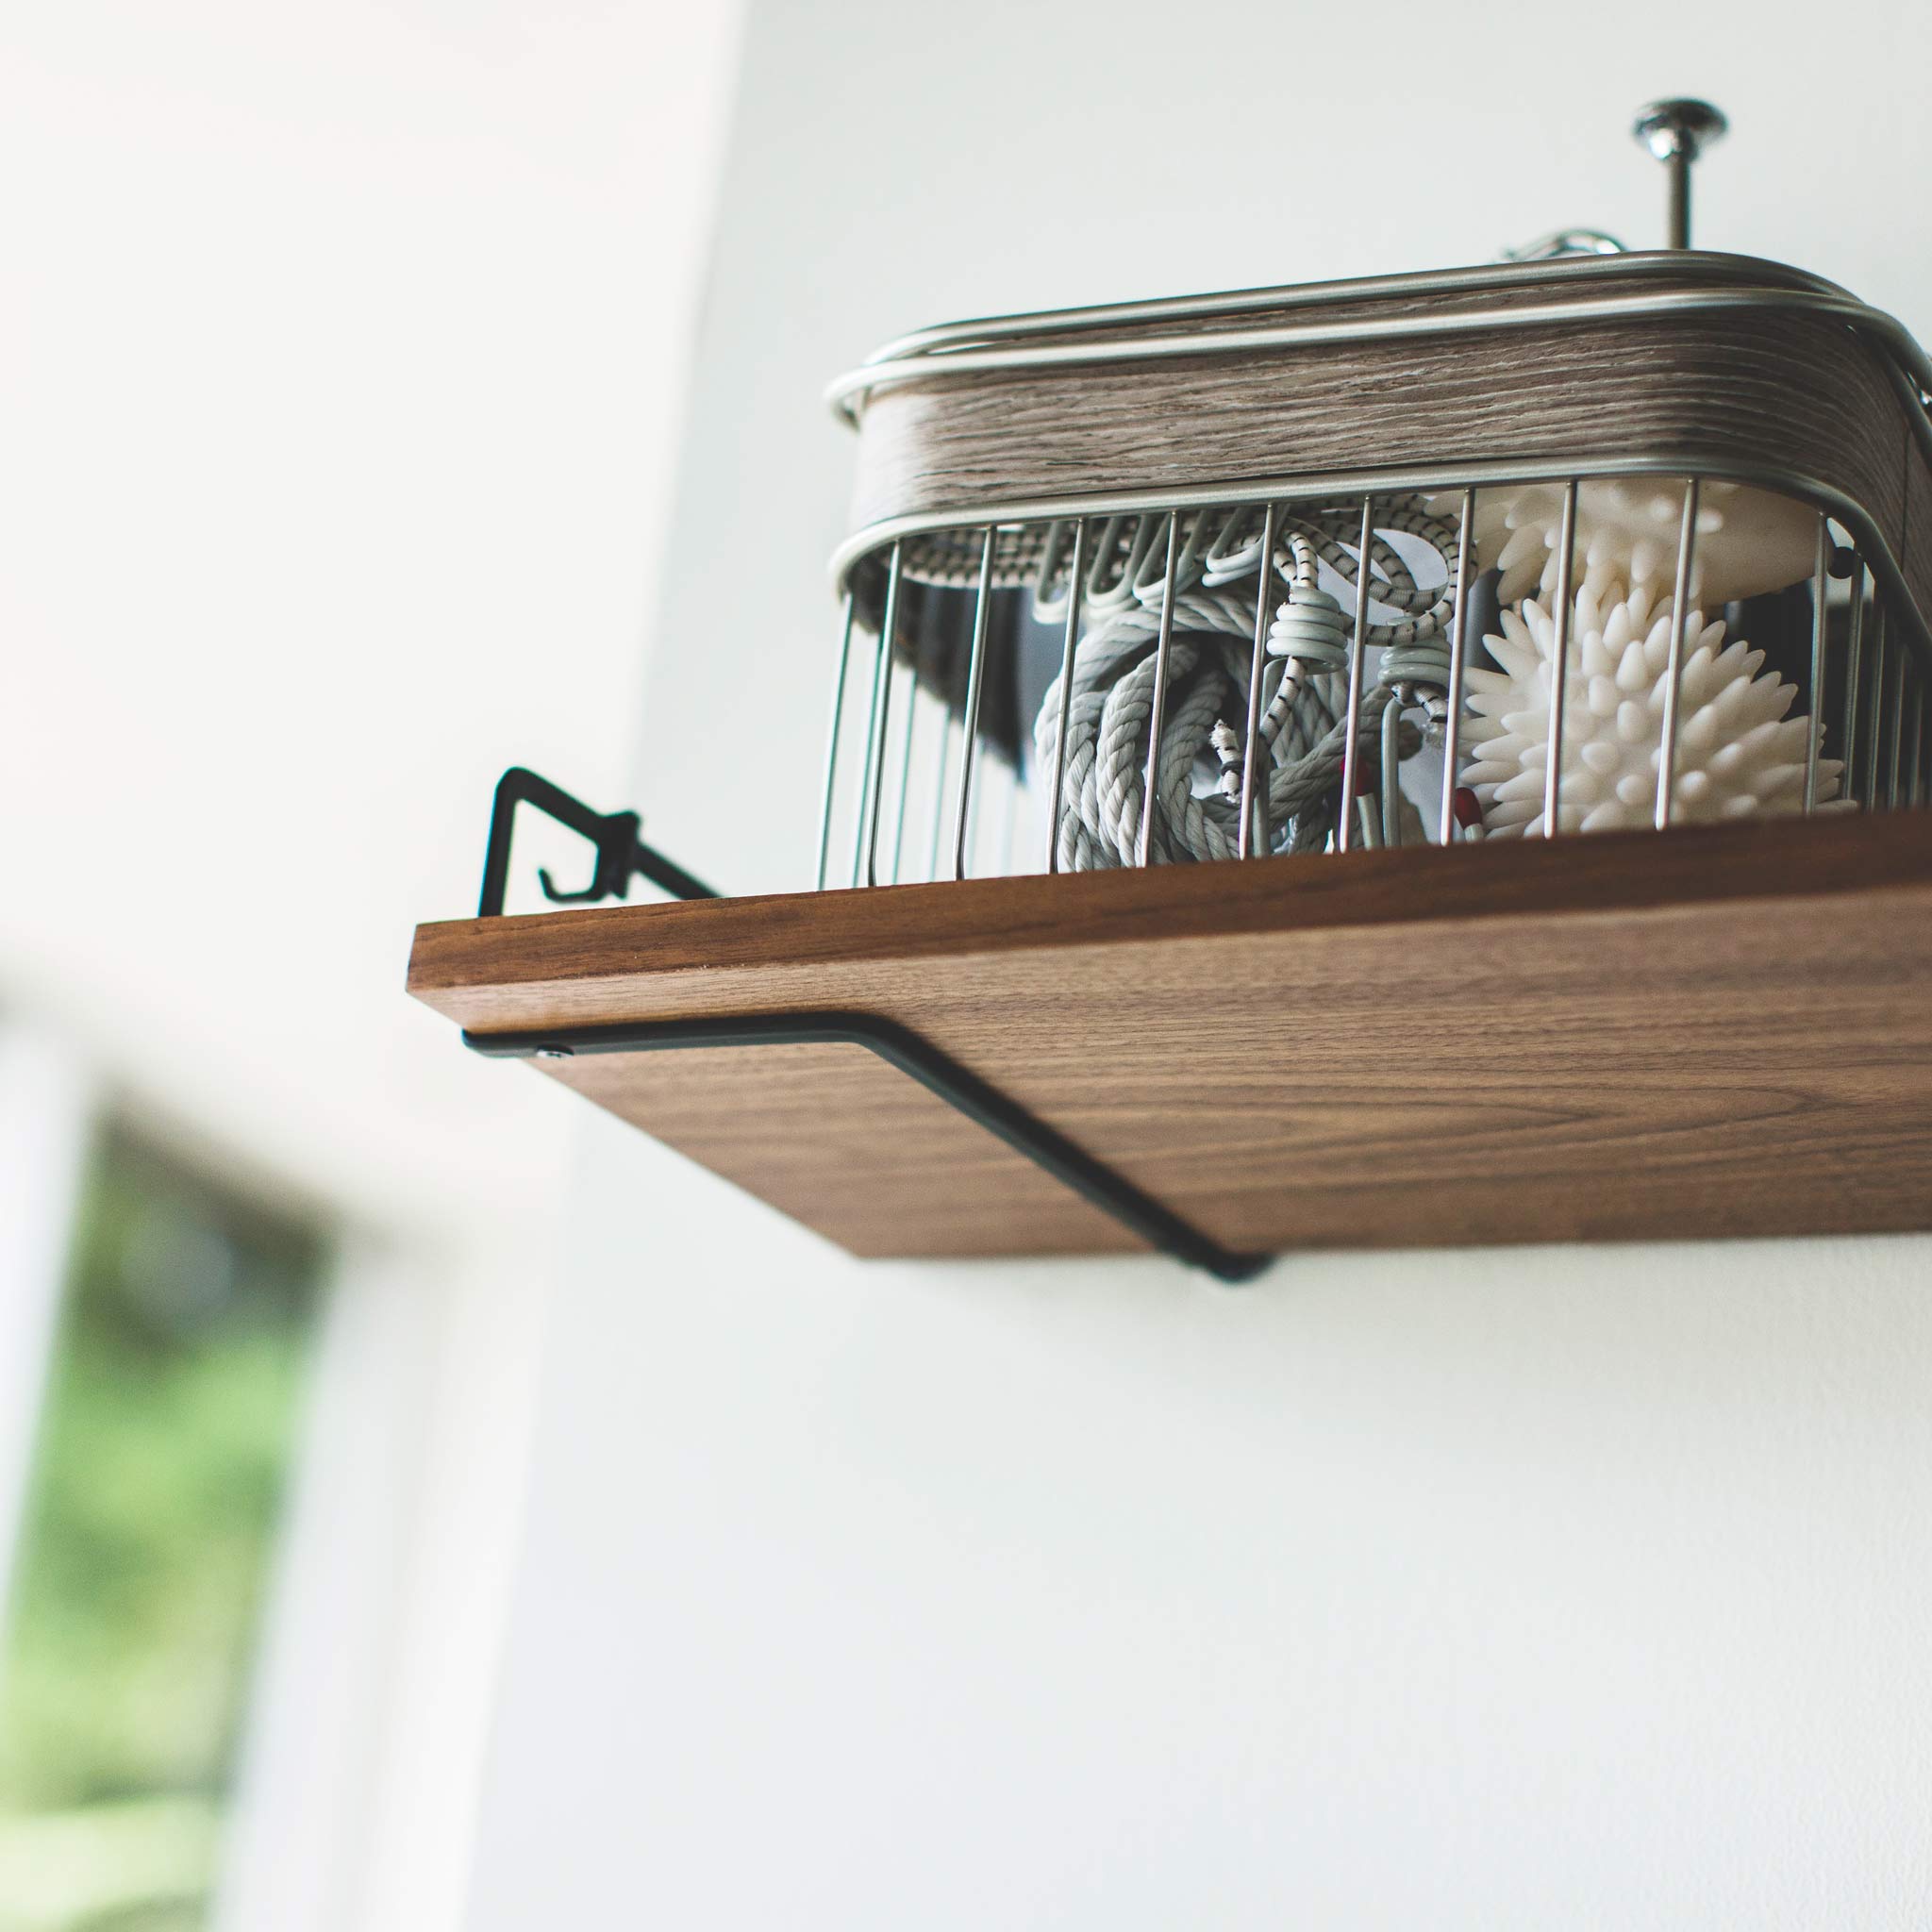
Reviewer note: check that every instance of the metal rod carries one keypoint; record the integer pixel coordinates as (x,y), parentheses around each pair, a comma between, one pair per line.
(905,773)
(1559,660)
(1369,813)
(1075,585)
(1915,791)
(865,769)
(1925,770)
(1898,733)
(1345,819)
(1264,804)
(1458,659)
(879,676)
(1263,596)
(832,741)
(975,680)
(1916,711)
(912,1054)
(1821,586)
(620,852)
(1875,717)
(1391,775)
(939,794)
(1674,673)
(1855,658)
(882,702)
(973,815)
(1676,132)
(1679,167)
(1926,719)
(1157,715)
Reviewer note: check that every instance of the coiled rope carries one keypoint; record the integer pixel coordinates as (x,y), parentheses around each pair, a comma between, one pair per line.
(1218,579)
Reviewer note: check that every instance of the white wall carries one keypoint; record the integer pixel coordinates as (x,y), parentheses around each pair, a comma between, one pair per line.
(338,353)
(1548,1587)
(340,374)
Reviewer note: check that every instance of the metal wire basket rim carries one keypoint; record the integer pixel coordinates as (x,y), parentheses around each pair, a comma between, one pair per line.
(1866,537)
(1889,334)
(1714,264)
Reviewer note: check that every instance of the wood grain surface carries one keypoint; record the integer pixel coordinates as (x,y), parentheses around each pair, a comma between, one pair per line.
(1719,1031)
(837,1139)
(1749,395)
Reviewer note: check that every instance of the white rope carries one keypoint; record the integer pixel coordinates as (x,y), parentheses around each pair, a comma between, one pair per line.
(1197,778)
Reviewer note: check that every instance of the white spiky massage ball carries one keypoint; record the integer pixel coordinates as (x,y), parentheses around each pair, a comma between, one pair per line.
(1738,752)
(1748,541)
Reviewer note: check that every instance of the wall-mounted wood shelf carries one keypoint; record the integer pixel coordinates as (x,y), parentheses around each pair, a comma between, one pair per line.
(1715,1032)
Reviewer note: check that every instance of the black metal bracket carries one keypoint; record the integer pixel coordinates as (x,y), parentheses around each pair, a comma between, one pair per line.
(900,1047)
(620,851)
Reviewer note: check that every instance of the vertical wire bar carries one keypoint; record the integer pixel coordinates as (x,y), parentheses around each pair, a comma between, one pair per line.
(1925,770)
(1875,717)
(1370,812)
(1915,788)
(1855,656)
(1559,661)
(1898,730)
(1264,805)
(1244,848)
(974,818)
(905,771)
(1344,821)
(939,794)
(1391,776)
(879,668)
(882,705)
(1674,673)
(1157,715)
(1926,722)
(1821,585)
(975,682)
(1679,165)
(1452,726)
(832,741)
(1075,585)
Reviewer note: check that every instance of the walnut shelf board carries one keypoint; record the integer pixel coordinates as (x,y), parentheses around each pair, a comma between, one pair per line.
(1722,1031)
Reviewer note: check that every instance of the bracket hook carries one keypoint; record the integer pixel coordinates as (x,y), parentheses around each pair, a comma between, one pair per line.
(620,851)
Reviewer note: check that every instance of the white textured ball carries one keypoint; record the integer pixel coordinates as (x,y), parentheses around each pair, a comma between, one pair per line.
(1738,752)
(1748,541)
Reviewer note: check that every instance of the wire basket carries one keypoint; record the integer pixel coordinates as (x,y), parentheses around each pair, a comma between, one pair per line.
(1554,547)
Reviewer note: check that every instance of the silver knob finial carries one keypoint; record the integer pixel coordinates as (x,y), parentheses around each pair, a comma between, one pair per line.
(1676,132)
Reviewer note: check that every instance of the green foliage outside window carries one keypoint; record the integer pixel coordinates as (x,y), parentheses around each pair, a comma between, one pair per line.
(165,1437)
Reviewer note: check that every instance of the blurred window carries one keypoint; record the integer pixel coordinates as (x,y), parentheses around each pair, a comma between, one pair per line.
(165,1443)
